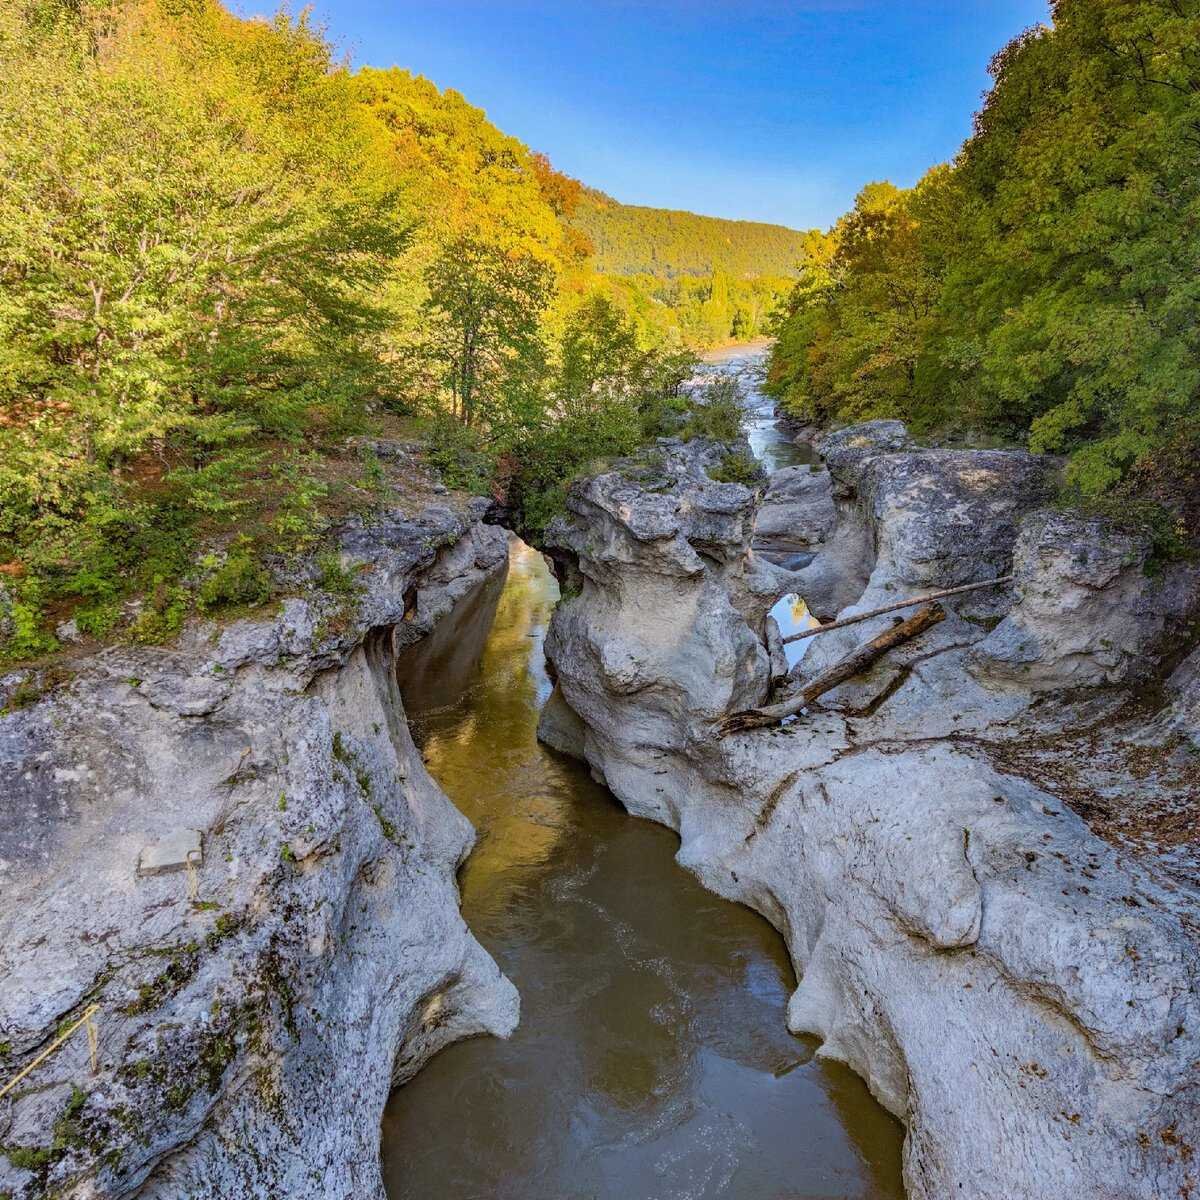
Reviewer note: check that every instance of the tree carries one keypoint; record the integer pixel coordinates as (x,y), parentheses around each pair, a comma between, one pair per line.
(485,305)
(599,354)
(1045,286)
(1079,276)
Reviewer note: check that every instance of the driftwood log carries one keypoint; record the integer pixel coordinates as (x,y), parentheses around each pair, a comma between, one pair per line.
(845,668)
(887,608)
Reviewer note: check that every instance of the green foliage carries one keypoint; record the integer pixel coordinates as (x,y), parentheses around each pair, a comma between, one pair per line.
(373,478)
(333,577)
(606,399)
(705,310)
(221,253)
(239,580)
(386,827)
(485,306)
(459,453)
(629,239)
(162,614)
(688,279)
(1162,527)
(341,752)
(211,279)
(1044,286)
(718,415)
(738,467)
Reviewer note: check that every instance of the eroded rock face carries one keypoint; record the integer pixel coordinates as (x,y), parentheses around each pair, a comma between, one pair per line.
(255,1007)
(1092,608)
(797,513)
(1020,992)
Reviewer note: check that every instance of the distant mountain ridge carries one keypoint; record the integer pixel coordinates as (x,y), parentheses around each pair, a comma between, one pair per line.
(632,239)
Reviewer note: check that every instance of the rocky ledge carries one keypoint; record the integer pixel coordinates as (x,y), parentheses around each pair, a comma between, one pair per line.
(231,847)
(982,852)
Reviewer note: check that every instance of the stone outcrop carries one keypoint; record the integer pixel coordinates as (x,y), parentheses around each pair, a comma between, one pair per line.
(1020,991)
(1091,607)
(294,949)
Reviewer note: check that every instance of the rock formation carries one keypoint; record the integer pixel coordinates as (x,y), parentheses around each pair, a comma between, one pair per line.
(1018,989)
(232,847)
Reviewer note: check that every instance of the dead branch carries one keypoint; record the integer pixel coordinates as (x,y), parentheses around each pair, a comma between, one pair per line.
(845,668)
(887,608)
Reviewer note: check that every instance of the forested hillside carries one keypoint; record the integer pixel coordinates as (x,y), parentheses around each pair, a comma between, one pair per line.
(687,277)
(1045,286)
(221,255)
(630,239)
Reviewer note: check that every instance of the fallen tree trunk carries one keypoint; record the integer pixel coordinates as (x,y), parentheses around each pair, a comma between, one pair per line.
(887,608)
(845,668)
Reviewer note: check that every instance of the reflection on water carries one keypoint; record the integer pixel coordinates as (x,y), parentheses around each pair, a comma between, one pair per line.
(792,616)
(652,1059)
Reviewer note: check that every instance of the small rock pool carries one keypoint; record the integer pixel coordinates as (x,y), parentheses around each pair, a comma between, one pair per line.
(652,1059)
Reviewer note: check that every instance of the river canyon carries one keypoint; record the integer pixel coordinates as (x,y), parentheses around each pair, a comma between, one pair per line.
(652,1058)
(922,941)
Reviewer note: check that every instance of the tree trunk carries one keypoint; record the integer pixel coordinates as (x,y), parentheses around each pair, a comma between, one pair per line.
(845,668)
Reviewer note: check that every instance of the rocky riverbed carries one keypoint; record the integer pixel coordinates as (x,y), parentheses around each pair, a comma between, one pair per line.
(232,848)
(982,852)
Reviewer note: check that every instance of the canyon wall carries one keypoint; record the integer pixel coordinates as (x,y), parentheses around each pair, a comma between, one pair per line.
(231,847)
(1020,991)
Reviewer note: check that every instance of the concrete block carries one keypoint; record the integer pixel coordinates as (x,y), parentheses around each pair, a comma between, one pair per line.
(172,853)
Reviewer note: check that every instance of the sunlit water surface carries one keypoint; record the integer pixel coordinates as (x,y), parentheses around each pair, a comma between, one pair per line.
(652,1058)
(775,447)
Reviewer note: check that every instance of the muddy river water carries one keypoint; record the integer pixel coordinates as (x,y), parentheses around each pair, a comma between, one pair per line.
(652,1061)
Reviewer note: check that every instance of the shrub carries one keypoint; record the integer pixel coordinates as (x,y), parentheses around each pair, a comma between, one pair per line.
(719,414)
(239,580)
(459,453)
(333,577)
(738,467)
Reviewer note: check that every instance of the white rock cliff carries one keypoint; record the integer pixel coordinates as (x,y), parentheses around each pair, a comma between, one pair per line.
(257,1005)
(1019,991)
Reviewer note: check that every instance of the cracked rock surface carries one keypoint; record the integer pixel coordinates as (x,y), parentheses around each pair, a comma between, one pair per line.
(258,1000)
(981,925)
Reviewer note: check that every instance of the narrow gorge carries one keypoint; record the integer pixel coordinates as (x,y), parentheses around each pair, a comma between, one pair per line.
(233,851)
(980,853)
(600,602)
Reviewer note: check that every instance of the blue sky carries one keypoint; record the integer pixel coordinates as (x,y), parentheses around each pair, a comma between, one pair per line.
(775,110)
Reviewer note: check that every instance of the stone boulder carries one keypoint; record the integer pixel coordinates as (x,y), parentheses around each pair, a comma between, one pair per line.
(796,515)
(845,450)
(1090,608)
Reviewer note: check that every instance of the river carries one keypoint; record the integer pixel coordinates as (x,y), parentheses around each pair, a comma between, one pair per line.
(775,448)
(770,441)
(652,1061)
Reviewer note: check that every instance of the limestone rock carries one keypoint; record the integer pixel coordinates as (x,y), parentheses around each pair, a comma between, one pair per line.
(846,449)
(249,1030)
(177,851)
(1020,992)
(797,512)
(1088,609)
